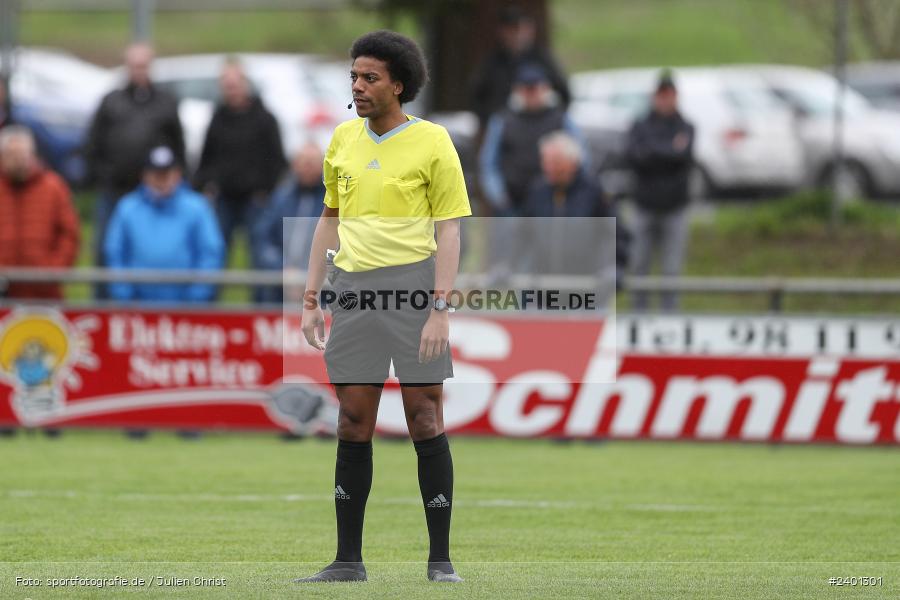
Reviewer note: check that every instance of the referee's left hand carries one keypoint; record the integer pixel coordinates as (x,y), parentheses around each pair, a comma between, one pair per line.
(435,336)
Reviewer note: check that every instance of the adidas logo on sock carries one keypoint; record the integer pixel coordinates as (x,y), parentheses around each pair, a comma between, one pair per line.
(439,502)
(374,164)
(340,494)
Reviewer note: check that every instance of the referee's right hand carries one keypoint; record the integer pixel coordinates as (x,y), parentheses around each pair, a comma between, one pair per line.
(312,323)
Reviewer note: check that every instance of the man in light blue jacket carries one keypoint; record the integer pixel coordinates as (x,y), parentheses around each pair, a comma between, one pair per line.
(163,224)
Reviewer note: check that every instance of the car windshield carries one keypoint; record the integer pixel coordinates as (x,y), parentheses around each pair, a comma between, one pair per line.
(630,104)
(819,98)
(751,100)
(198,88)
(878,91)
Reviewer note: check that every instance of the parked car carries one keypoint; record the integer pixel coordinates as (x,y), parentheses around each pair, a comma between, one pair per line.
(299,89)
(878,82)
(871,137)
(744,142)
(55,94)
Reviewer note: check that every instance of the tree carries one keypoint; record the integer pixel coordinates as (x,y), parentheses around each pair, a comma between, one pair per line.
(456,35)
(875,24)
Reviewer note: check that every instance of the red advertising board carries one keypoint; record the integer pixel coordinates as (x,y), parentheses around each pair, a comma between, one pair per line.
(638,377)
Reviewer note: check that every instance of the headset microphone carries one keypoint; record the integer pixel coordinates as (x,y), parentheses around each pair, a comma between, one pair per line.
(349,106)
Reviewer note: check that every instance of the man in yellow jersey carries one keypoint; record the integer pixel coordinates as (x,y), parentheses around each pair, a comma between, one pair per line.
(394,196)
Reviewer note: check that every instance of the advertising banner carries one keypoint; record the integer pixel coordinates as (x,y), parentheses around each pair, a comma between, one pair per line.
(769,379)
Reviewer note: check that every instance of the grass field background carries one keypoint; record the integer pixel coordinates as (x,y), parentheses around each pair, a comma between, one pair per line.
(532,519)
(586,34)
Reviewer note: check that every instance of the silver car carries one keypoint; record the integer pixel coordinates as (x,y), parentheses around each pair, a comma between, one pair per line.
(744,138)
(55,94)
(297,88)
(879,82)
(871,136)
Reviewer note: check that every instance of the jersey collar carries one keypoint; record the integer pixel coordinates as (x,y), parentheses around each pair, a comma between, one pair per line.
(387,134)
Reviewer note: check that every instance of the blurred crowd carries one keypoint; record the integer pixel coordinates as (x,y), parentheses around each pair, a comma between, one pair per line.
(152,212)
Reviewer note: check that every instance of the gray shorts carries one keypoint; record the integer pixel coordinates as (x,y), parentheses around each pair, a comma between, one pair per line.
(377,319)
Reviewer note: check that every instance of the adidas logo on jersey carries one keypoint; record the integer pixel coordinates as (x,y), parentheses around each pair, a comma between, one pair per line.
(374,164)
(340,494)
(439,502)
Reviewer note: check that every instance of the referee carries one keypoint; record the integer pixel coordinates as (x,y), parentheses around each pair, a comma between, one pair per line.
(394,196)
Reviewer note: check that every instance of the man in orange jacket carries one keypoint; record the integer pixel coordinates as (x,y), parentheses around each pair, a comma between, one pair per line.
(39,226)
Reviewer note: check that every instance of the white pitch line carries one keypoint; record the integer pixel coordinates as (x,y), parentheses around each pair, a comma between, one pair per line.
(478,503)
(674,507)
(203,497)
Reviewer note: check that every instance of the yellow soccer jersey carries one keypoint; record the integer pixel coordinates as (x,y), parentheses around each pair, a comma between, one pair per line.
(390,189)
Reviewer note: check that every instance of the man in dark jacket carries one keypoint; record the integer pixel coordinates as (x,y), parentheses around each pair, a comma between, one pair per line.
(5,117)
(494,78)
(510,160)
(660,151)
(242,156)
(285,229)
(129,122)
(577,232)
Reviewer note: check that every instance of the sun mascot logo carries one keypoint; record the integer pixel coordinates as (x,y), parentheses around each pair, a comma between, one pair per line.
(38,353)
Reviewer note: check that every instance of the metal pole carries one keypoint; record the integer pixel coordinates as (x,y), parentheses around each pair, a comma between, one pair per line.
(8,25)
(838,190)
(142,20)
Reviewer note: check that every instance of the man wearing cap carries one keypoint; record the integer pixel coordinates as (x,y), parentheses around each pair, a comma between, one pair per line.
(660,151)
(510,158)
(127,124)
(163,224)
(517,45)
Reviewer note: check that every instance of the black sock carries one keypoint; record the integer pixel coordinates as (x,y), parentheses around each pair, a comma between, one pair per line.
(352,482)
(436,485)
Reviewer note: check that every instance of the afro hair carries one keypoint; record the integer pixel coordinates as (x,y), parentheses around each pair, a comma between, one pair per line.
(403,57)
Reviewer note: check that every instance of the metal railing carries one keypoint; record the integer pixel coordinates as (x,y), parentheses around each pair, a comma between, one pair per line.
(775,288)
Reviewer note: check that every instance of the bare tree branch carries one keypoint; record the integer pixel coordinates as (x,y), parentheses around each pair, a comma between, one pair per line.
(876,23)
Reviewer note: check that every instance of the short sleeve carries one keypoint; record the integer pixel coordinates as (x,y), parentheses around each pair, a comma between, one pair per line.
(447,194)
(329,175)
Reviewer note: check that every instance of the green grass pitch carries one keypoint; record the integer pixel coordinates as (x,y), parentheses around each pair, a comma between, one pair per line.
(532,519)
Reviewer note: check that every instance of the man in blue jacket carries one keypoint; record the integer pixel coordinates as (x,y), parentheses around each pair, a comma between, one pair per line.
(163,224)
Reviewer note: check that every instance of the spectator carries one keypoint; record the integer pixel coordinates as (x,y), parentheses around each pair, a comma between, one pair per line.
(660,150)
(286,244)
(39,226)
(510,160)
(129,122)
(5,117)
(577,243)
(494,78)
(510,157)
(242,155)
(163,224)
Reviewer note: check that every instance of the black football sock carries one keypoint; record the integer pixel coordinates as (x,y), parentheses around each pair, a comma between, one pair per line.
(436,485)
(352,482)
